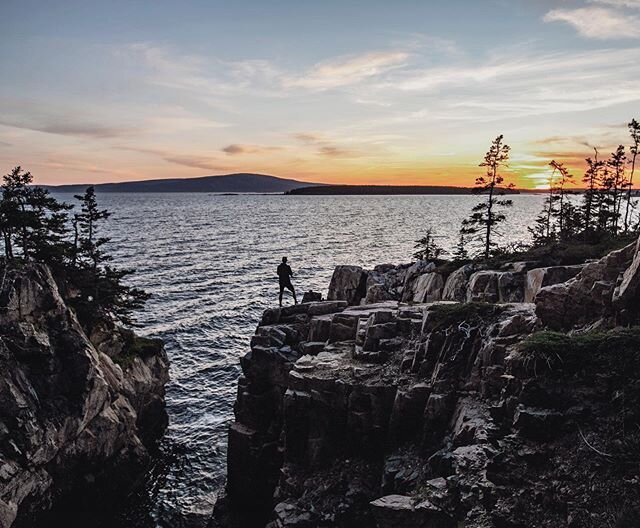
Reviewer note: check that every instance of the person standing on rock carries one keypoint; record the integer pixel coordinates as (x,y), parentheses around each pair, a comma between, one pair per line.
(284,277)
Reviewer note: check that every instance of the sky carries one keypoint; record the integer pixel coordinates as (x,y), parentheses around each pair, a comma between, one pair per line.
(338,91)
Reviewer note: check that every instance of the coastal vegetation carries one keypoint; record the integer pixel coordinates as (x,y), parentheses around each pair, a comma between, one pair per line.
(615,351)
(36,227)
(568,229)
(486,216)
(427,248)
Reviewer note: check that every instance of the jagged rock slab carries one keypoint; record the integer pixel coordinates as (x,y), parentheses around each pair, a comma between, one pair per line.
(588,296)
(538,278)
(348,283)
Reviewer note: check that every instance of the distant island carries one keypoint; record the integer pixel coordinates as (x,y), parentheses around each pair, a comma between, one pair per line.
(384,190)
(228,183)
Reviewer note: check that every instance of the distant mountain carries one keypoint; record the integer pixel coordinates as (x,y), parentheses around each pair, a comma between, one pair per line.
(228,183)
(386,190)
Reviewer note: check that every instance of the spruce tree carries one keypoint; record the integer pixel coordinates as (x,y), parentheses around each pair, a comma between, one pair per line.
(32,220)
(565,212)
(542,231)
(87,250)
(591,197)
(488,214)
(634,131)
(101,287)
(460,253)
(617,185)
(428,248)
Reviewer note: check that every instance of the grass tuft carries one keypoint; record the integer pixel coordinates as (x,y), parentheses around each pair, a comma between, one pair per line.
(138,347)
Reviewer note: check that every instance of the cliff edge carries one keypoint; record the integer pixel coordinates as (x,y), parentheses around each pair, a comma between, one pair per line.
(75,410)
(421,398)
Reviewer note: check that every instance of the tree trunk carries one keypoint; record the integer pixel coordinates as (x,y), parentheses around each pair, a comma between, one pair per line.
(626,213)
(487,247)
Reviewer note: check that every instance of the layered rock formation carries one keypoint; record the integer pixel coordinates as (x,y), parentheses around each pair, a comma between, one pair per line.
(424,282)
(404,413)
(74,412)
(589,296)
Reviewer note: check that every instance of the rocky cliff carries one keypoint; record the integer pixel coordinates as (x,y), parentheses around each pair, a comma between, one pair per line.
(75,411)
(418,398)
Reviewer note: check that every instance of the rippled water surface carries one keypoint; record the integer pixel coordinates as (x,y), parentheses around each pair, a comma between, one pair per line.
(209,262)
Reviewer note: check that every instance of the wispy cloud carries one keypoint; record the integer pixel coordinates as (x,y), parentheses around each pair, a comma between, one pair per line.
(330,148)
(210,79)
(347,70)
(331,151)
(66,126)
(167,119)
(598,22)
(308,137)
(634,4)
(77,164)
(102,122)
(235,149)
(198,162)
(511,86)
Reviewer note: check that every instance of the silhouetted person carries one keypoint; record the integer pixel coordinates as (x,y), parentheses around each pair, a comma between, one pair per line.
(284,277)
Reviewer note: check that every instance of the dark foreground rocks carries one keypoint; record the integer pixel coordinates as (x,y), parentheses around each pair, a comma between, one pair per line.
(415,399)
(75,413)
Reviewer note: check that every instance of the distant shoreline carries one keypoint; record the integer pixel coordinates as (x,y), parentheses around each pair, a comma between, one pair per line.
(385,190)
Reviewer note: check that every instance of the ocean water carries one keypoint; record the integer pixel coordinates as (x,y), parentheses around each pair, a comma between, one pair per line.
(209,262)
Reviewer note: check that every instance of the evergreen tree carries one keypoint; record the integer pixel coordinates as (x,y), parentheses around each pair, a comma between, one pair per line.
(49,238)
(634,131)
(428,248)
(460,253)
(617,185)
(102,292)
(16,219)
(591,197)
(565,212)
(488,214)
(87,249)
(542,231)
(32,220)
(605,199)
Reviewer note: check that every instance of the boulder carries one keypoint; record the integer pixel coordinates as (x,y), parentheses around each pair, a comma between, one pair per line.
(326,307)
(588,296)
(348,283)
(385,282)
(538,278)
(483,287)
(320,328)
(312,348)
(377,292)
(428,287)
(401,511)
(412,275)
(343,327)
(496,286)
(455,288)
(511,287)
(626,294)
(311,296)
(537,424)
